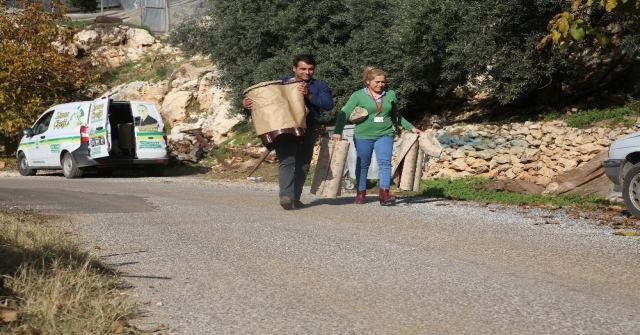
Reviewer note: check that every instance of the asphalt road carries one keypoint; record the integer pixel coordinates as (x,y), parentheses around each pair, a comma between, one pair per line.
(223,258)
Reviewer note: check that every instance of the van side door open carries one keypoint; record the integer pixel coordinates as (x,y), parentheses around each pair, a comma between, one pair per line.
(149,130)
(98,136)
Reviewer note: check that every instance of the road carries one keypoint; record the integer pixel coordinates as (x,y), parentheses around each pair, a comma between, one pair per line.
(208,257)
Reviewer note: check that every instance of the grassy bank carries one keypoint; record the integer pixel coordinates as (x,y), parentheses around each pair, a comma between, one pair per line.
(470,188)
(49,285)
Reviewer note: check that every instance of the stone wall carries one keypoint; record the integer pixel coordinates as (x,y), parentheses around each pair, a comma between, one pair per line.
(531,151)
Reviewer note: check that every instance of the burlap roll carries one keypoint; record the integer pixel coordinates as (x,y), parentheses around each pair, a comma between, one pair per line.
(418,171)
(322,166)
(327,179)
(429,144)
(276,105)
(404,170)
(409,169)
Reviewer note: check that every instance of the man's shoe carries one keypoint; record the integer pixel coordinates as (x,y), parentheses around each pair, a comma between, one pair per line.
(298,204)
(286,203)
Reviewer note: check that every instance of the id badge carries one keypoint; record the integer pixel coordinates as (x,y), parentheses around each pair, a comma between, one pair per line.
(378,119)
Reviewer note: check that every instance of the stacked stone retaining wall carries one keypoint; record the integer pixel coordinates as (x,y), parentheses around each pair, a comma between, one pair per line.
(531,151)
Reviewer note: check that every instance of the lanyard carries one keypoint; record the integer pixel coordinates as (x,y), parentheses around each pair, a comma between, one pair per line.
(378,107)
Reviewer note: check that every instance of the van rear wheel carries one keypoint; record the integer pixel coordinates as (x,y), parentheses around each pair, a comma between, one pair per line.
(69,167)
(23,166)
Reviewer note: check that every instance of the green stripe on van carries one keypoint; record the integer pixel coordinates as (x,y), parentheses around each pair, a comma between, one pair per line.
(99,133)
(61,140)
(51,141)
(150,133)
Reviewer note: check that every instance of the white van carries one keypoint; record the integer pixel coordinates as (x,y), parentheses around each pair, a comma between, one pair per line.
(97,135)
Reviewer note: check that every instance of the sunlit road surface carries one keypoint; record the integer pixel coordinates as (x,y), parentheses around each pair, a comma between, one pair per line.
(222,258)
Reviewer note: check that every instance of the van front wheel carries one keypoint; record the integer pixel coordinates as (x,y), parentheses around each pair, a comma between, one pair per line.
(69,167)
(631,190)
(23,166)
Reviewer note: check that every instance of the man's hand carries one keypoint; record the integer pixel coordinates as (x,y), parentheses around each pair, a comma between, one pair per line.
(336,137)
(303,89)
(247,103)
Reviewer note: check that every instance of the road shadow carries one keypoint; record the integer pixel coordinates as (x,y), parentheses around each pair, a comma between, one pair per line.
(348,200)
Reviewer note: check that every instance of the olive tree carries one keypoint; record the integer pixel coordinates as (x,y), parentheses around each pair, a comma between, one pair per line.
(433,51)
(34,72)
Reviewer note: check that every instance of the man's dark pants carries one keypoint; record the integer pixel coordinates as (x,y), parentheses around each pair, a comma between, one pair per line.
(295,159)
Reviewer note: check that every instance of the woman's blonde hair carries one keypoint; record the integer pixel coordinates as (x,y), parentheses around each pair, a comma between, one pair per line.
(372,72)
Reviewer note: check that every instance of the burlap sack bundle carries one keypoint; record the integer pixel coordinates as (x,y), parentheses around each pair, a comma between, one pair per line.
(276,105)
(358,115)
(327,179)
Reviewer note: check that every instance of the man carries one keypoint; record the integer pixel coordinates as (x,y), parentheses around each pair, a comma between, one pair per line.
(145,118)
(294,156)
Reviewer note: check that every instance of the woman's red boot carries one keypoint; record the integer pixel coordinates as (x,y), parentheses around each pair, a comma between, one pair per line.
(360,197)
(385,198)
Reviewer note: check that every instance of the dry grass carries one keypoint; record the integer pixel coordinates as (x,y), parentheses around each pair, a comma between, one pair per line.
(54,286)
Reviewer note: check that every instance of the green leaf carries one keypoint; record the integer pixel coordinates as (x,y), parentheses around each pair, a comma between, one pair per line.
(602,39)
(577,34)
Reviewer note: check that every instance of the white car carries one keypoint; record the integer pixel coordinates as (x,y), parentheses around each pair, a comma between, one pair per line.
(623,169)
(102,134)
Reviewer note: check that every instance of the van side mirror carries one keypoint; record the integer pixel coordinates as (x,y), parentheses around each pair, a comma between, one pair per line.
(136,121)
(28,132)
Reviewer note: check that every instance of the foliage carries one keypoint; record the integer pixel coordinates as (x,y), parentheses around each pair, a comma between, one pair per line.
(87,6)
(591,116)
(590,18)
(470,188)
(33,73)
(491,48)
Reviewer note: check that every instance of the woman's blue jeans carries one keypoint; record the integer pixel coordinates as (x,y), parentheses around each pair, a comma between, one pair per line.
(383,147)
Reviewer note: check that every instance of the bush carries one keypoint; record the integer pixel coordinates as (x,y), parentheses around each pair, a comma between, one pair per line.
(430,50)
(87,6)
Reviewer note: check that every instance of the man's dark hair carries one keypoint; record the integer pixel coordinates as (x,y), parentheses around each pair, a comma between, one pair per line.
(304,58)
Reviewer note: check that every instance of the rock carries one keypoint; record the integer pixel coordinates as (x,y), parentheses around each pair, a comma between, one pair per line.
(141,90)
(174,106)
(139,38)
(85,40)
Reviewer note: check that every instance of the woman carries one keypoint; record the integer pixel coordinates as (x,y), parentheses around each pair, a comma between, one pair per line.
(374,133)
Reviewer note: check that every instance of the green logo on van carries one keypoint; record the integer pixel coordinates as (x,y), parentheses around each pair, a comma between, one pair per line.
(55,148)
(150,145)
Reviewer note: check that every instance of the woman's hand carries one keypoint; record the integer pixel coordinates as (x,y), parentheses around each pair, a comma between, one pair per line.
(416,131)
(336,137)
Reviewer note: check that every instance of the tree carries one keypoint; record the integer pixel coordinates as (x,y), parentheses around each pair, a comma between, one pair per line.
(591,17)
(431,50)
(606,30)
(34,73)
